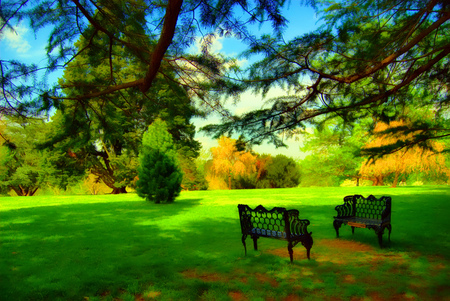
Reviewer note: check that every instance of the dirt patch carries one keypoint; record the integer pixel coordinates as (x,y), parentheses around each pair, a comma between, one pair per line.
(337,251)
(345,245)
(204,276)
(139,297)
(340,251)
(237,296)
(349,279)
(293,298)
(281,252)
(151,295)
(264,278)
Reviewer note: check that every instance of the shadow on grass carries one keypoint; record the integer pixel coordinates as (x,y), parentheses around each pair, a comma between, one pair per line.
(60,251)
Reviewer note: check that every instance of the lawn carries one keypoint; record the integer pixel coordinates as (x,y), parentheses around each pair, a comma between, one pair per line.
(119,247)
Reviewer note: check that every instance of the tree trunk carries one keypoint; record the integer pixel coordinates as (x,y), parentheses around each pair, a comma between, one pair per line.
(397,175)
(377,181)
(24,191)
(119,190)
(17,191)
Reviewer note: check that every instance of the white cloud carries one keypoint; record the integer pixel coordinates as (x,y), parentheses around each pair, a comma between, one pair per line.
(213,39)
(15,38)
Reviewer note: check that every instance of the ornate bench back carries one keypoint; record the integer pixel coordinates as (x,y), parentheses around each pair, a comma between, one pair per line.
(372,208)
(263,222)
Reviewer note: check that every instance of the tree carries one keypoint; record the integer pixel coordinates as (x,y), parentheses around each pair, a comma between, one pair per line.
(25,168)
(401,162)
(283,172)
(193,179)
(372,58)
(159,174)
(228,162)
(334,149)
(104,133)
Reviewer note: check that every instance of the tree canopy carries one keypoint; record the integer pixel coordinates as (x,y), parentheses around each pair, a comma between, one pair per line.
(371,58)
(229,162)
(400,162)
(104,133)
(333,152)
(24,167)
(156,33)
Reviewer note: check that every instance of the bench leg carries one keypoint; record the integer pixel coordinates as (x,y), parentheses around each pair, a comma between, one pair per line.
(291,251)
(255,242)
(308,243)
(353,230)
(379,232)
(244,237)
(390,229)
(337,225)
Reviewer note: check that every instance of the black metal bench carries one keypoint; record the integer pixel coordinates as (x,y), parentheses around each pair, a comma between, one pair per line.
(277,223)
(370,213)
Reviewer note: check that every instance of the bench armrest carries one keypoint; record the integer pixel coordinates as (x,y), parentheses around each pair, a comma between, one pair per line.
(346,209)
(298,226)
(245,218)
(386,214)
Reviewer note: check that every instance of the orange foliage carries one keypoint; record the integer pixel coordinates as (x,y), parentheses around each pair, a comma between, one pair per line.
(227,161)
(401,162)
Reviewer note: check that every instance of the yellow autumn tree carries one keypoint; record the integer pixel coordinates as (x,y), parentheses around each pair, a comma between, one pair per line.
(413,159)
(228,162)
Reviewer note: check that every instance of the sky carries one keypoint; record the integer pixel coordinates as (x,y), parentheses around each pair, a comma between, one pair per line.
(23,44)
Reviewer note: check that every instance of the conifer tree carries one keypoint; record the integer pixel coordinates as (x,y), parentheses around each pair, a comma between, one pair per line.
(159,174)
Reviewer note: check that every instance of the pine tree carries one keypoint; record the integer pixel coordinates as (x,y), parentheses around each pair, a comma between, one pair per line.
(159,174)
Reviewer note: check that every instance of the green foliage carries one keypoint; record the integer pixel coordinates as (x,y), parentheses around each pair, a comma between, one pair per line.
(193,178)
(26,168)
(283,172)
(333,149)
(156,36)
(104,133)
(370,59)
(159,174)
(159,177)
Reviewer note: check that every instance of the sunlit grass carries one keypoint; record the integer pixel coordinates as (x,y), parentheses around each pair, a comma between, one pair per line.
(119,246)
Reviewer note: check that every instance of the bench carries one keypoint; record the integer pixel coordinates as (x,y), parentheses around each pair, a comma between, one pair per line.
(277,223)
(360,212)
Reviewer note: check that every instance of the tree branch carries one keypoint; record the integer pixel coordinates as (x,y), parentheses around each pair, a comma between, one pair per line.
(389,59)
(170,21)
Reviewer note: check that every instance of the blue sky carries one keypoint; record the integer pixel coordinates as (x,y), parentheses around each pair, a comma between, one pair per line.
(25,45)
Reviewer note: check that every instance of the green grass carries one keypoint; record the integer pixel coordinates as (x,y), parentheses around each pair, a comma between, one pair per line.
(119,247)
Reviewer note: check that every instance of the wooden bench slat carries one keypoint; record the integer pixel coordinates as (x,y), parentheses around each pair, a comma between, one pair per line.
(357,225)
